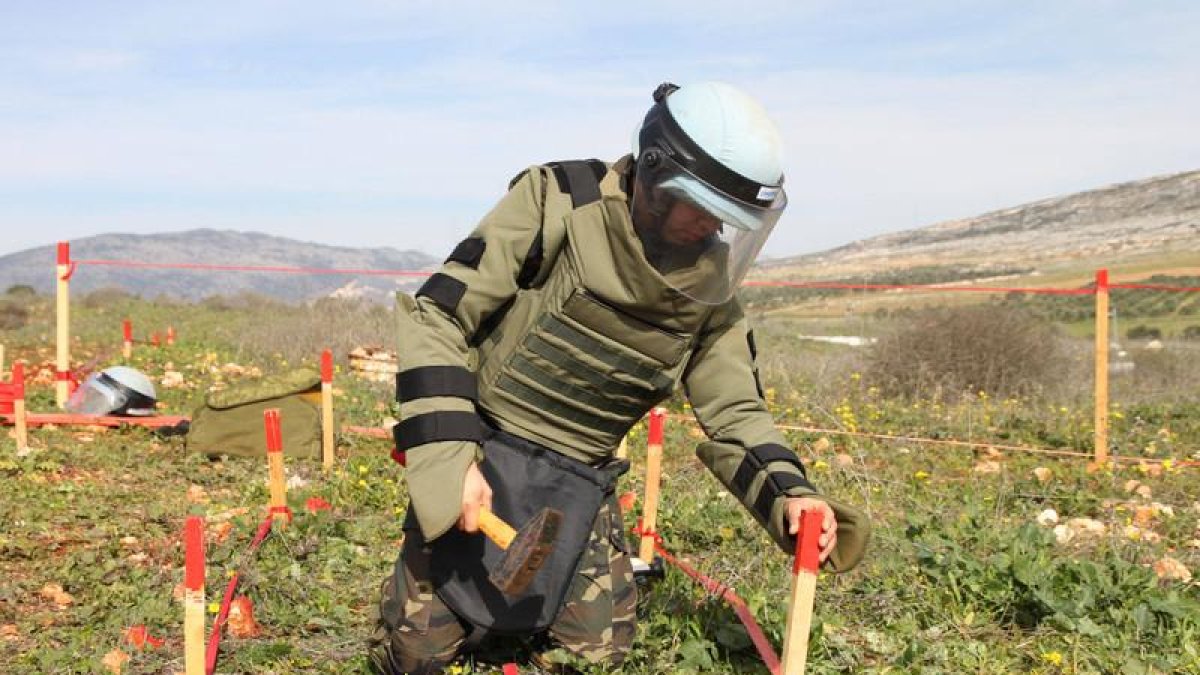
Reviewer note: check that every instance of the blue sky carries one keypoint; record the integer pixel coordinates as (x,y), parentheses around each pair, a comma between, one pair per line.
(399,123)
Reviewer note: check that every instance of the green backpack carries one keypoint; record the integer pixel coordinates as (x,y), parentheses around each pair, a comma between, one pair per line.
(231,420)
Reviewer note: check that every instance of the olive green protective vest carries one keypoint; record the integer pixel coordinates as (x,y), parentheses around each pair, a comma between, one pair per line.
(581,358)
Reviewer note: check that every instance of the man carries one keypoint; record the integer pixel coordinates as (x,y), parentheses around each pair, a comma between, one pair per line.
(579,302)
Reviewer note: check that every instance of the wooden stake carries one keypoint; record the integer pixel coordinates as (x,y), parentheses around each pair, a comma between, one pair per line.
(804,591)
(18,388)
(193,598)
(653,478)
(1100,442)
(62,361)
(279,509)
(127,333)
(170,335)
(327,410)
(155,340)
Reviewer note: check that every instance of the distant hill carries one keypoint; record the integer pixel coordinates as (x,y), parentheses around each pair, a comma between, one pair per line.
(1128,223)
(35,266)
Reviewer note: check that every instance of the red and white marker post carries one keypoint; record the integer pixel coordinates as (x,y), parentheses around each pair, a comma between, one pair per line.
(17,386)
(279,510)
(127,334)
(804,591)
(193,596)
(62,361)
(170,336)
(654,444)
(155,340)
(327,410)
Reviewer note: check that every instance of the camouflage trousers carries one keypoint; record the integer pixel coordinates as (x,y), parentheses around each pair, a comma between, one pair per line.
(418,634)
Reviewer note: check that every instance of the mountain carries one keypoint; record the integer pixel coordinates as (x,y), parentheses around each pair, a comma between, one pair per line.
(1153,219)
(35,266)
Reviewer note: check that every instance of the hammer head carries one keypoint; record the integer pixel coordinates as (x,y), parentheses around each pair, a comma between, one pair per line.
(528,550)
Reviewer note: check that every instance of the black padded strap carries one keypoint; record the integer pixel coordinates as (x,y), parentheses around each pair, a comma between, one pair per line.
(753,346)
(468,252)
(444,290)
(450,425)
(773,452)
(532,264)
(757,459)
(429,381)
(580,179)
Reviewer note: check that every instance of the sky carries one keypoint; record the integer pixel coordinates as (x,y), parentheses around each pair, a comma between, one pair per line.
(399,123)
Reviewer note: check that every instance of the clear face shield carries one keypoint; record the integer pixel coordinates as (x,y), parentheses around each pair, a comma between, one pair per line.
(96,396)
(700,239)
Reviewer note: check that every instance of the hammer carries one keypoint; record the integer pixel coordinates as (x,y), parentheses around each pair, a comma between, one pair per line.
(525,550)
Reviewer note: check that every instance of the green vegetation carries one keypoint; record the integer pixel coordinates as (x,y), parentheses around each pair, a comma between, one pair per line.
(961,576)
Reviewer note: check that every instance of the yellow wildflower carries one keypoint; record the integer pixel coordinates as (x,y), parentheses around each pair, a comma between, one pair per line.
(921,475)
(1053,658)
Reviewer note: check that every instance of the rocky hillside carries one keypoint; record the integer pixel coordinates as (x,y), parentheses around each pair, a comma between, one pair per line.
(35,266)
(1120,223)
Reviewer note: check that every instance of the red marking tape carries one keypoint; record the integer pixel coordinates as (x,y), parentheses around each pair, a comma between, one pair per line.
(154,340)
(64,253)
(40,419)
(808,549)
(127,330)
(1102,280)
(214,641)
(280,509)
(193,543)
(327,366)
(274,435)
(511,669)
(655,435)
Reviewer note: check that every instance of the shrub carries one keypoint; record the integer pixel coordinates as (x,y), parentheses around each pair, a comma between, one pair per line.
(107,297)
(14,313)
(1191,333)
(21,290)
(1143,332)
(1000,349)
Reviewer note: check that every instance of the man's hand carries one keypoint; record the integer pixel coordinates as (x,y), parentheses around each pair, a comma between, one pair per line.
(794,506)
(476,493)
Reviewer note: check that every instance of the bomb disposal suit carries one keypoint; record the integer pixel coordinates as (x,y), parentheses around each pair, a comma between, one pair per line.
(581,301)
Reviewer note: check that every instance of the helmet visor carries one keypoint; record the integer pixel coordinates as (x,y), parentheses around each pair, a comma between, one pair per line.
(700,239)
(96,397)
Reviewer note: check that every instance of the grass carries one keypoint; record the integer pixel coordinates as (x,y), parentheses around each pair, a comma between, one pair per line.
(960,576)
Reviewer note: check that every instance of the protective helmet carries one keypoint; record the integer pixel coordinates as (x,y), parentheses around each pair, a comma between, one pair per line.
(119,390)
(708,188)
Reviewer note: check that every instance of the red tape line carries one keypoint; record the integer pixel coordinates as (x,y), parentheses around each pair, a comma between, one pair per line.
(214,640)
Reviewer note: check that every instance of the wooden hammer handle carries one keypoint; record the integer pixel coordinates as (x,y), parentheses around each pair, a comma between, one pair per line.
(496,529)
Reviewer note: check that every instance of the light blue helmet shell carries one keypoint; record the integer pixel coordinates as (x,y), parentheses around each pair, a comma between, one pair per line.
(733,129)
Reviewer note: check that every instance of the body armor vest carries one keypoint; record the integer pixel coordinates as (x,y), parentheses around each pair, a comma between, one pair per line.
(577,360)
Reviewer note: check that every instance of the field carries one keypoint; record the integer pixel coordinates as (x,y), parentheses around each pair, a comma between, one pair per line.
(967,571)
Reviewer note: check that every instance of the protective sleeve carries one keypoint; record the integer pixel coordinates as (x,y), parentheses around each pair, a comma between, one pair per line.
(746,452)
(439,427)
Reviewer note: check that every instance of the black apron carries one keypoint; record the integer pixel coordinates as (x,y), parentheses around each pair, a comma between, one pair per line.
(525,478)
